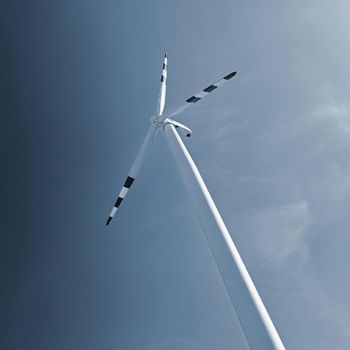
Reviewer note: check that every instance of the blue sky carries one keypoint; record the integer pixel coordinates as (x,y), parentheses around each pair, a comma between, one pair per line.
(81,81)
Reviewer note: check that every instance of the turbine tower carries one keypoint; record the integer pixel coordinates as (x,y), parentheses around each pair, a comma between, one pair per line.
(258,329)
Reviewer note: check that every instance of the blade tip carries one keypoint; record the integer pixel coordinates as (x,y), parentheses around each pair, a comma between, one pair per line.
(231,75)
(108,220)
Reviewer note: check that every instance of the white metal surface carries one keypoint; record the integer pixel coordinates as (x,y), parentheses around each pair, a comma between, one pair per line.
(254,319)
(162,91)
(184,128)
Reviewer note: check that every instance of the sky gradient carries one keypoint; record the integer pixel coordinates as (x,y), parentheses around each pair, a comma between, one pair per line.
(80,81)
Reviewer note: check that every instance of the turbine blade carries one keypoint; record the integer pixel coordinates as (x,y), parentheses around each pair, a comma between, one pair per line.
(132,173)
(162,91)
(200,95)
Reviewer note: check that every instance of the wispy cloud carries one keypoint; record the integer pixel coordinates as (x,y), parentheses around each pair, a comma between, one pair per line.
(279,232)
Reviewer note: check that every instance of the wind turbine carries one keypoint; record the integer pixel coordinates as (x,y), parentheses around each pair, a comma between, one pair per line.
(258,329)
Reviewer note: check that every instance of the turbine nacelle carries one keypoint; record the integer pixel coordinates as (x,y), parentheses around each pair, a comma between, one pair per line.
(157,123)
(185,130)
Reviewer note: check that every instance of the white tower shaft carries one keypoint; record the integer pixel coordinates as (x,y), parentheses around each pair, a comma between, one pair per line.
(253,317)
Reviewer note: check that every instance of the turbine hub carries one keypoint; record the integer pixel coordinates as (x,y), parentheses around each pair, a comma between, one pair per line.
(156,122)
